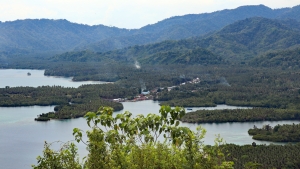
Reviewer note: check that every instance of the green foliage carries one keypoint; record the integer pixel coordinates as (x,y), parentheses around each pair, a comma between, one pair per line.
(251,165)
(66,157)
(123,141)
(167,52)
(280,133)
(84,98)
(82,56)
(285,58)
(250,37)
(231,85)
(237,86)
(240,115)
(263,156)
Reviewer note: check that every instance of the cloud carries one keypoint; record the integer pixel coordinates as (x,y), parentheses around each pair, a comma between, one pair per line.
(120,13)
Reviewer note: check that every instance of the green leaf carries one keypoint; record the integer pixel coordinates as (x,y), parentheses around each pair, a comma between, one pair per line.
(177,123)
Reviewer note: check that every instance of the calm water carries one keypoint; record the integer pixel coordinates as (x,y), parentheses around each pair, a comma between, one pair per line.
(22,139)
(19,77)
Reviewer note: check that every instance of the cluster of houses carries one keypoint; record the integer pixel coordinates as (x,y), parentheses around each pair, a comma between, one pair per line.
(194,81)
(140,97)
(145,95)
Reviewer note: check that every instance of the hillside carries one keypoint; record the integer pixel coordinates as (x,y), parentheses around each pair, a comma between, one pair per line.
(191,25)
(251,37)
(35,35)
(45,35)
(236,42)
(286,58)
(148,54)
(292,13)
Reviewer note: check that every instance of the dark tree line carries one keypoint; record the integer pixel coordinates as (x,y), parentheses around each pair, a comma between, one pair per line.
(241,115)
(278,133)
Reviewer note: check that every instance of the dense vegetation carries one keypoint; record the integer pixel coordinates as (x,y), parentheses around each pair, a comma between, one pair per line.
(241,115)
(231,84)
(71,102)
(278,133)
(250,37)
(285,58)
(263,156)
(125,142)
(192,25)
(238,86)
(45,35)
(147,54)
(236,42)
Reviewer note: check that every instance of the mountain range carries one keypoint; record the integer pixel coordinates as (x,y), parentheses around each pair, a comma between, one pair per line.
(237,42)
(45,35)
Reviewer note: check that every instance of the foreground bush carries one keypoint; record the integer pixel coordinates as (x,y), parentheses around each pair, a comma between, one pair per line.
(141,142)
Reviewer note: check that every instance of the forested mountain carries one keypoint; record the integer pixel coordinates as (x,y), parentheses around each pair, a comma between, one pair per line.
(36,35)
(147,54)
(243,39)
(239,41)
(292,13)
(286,58)
(181,27)
(251,37)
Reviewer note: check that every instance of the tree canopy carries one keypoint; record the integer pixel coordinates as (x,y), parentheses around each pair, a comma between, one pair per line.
(123,141)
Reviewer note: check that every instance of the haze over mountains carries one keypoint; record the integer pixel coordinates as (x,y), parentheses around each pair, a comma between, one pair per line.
(35,36)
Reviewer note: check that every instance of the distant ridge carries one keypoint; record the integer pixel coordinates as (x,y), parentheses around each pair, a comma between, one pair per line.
(46,35)
(240,41)
(192,25)
(51,35)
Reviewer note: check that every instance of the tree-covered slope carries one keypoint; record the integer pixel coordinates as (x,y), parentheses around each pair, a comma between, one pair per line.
(193,56)
(250,37)
(285,58)
(51,35)
(181,27)
(292,13)
(36,35)
(167,52)
(239,41)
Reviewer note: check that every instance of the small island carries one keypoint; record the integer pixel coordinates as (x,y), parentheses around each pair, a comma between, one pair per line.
(240,115)
(279,133)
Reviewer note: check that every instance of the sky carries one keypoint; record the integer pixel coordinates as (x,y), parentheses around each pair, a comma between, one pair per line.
(121,13)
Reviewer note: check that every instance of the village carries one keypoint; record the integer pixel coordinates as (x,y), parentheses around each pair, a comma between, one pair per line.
(148,95)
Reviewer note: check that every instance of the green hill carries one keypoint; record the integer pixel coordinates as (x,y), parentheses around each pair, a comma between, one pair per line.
(240,41)
(167,52)
(250,37)
(35,35)
(285,58)
(46,35)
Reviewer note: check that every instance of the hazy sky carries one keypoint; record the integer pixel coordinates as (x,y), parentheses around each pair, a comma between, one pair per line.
(121,13)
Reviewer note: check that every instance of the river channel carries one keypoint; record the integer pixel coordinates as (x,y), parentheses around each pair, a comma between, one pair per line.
(22,138)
